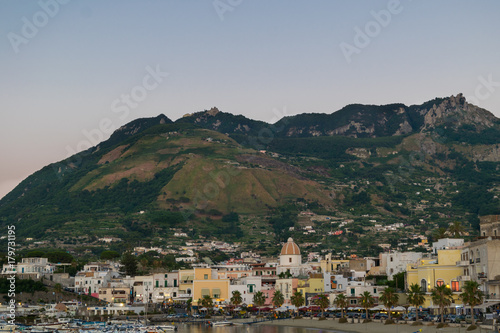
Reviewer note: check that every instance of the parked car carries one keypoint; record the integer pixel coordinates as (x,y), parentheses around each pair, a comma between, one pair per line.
(380,316)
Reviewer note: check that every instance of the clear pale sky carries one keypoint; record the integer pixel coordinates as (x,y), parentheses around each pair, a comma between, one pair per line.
(65,68)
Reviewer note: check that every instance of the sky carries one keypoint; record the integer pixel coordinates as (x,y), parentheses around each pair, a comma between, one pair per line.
(72,71)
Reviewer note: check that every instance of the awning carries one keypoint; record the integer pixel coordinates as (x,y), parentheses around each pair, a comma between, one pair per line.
(205,292)
(378,308)
(484,305)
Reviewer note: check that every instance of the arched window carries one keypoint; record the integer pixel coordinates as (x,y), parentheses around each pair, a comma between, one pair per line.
(423,285)
(439,283)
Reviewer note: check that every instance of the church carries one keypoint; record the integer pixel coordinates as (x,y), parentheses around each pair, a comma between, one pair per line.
(290,260)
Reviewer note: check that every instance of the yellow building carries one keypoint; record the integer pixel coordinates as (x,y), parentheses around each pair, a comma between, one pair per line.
(329,265)
(207,282)
(315,284)
(186,278)
(431,272)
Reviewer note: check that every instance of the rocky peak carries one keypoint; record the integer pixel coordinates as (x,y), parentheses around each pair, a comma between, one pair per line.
(454,112)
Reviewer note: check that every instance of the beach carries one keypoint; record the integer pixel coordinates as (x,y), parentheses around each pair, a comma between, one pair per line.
(372,327)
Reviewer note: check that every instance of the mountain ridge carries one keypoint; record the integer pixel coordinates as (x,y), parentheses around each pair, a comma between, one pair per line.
(190,173)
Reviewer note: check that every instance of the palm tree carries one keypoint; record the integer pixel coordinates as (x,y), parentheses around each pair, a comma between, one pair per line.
(189,303)
(367,301)
(322,301)
(207,302)
(472,295)
(416,296)
(456,229)
(439,233)
(341,302)
(278,298)
(390,298)
(236,299)
(58,289)
(259,299)
(297,299)
(442,296)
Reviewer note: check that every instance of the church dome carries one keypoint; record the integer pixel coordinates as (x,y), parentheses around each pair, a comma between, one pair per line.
(290,248)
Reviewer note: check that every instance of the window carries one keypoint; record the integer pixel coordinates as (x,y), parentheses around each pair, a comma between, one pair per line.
(374,290)
(175,282)
(205,276)
(250,288)
(353,301)
(166,283)
(289,259)
(455,286)
(423,285)
(392,259)
(439,283)
(188,291)
(157,283)
(353,291)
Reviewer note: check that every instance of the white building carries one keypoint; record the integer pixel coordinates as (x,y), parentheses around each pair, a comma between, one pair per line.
(447,243)
(32,266)
(334,282)
(396,262)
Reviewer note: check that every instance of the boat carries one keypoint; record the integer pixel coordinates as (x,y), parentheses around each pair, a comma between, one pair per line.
(6,327)
(167,327)
(221,323)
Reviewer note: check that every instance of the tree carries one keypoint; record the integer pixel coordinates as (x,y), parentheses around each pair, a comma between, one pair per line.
(58,288)
(456,229)
(439,233)
(367,301)
(341,302)
(322,301)
(442,297)
(236,299)
(207,302)
(189,304)
(472,295)
(416,296)
(390,298)
(278,298)
(297,299)
(259,299)
(129,262)
(109,255)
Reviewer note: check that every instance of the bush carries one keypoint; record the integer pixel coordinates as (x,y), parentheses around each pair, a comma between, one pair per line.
(416,323)
(322,318)
(389,322)
(441,325)
(343,320)
(367,321)
(471,327)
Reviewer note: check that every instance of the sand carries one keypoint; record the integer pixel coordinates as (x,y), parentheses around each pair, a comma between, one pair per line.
(373,327)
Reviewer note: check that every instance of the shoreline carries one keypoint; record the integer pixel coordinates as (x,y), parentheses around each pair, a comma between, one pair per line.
(372,327)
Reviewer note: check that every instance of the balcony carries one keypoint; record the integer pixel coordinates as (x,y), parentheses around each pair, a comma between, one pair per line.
(482,275)
(464,278)
(478,260)
(463,263)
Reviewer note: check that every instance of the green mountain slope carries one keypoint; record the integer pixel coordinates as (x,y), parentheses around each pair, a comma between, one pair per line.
(213,174)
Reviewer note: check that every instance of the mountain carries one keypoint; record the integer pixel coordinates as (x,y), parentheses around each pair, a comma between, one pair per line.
(356,120)
(215,174)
